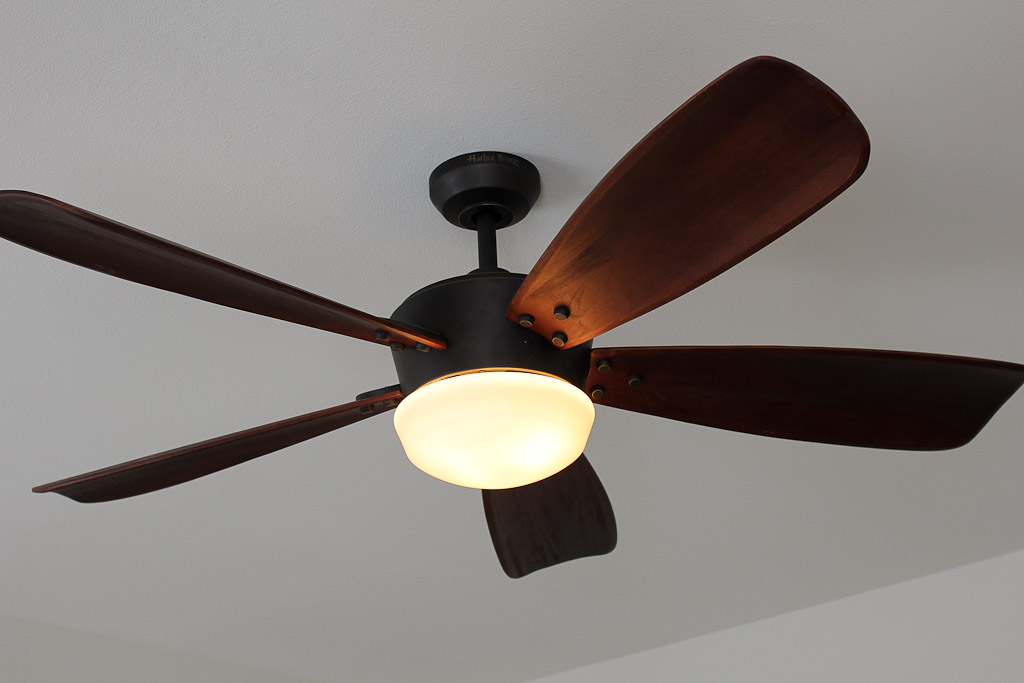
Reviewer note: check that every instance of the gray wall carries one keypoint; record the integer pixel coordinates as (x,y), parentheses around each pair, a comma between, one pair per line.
(33,652)
(965,624)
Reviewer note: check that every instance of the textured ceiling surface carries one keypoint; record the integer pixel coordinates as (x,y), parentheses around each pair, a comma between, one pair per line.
(296,141)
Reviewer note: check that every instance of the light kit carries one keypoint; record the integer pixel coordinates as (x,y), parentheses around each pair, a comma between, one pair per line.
(494,429)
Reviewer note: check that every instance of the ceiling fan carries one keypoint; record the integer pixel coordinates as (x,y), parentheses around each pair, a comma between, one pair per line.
(497,374)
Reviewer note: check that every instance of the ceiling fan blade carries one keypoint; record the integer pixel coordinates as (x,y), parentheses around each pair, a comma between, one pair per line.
(85,239)
(183,464)
(854,397)
(747,158)
(564,517)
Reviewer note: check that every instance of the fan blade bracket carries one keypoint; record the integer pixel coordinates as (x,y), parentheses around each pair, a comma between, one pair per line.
(391,394)
(609,380)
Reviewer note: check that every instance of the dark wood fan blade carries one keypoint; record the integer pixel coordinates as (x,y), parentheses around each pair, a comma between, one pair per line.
(183,464)
(750,156)
(564,517)
(85,239)
(855,397)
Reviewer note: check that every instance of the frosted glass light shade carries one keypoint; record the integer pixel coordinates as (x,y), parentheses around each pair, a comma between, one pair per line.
(494,429)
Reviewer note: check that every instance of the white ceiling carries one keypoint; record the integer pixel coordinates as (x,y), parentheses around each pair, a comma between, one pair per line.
(296,141)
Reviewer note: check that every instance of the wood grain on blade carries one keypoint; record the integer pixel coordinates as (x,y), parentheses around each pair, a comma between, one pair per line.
(179,465)
(855,397)
(91,241)
(757,151)
(564,517)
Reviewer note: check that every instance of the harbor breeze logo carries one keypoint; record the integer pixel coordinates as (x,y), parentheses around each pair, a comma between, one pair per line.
(480,157)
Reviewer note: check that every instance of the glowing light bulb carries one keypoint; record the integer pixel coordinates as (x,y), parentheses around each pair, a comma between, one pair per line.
(494,429)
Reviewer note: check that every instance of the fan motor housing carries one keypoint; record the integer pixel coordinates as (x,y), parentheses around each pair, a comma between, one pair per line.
(469,312)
